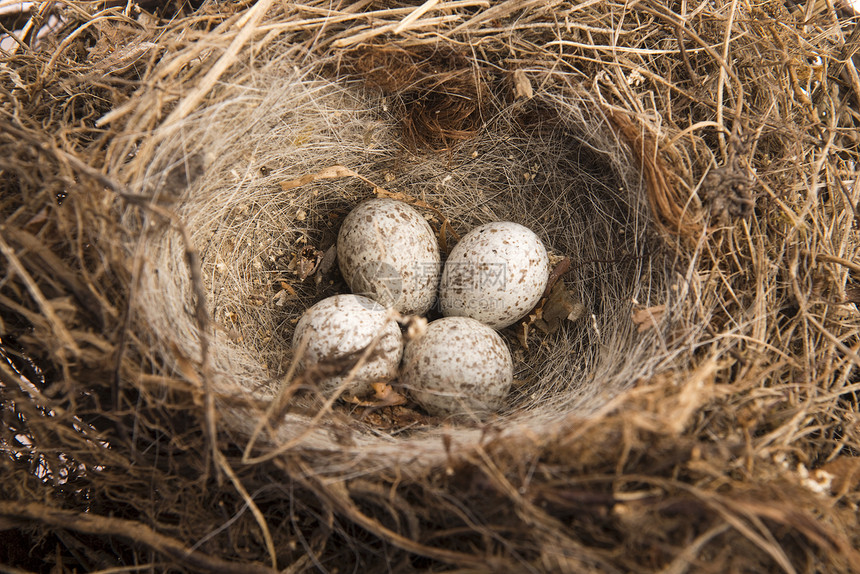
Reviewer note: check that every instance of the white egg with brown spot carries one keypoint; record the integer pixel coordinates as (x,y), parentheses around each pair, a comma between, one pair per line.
(335,332)
(496,274)
(458,366)
(387,251)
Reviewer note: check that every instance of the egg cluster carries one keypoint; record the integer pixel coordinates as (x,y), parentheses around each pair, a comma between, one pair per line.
(389,257)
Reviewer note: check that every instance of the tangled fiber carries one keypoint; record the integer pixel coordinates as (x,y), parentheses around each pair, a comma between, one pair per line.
(172,185)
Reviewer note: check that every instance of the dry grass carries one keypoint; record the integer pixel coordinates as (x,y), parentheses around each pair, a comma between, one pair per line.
(697,167)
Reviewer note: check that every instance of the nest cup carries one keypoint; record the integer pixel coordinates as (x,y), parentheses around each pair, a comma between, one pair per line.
(252,178)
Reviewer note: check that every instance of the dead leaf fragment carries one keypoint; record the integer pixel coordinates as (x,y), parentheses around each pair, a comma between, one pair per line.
(560,305)
(326,264)
(383,396)
(331,172)
(845,471)
(648,317)
(522,85)
(305,262)
(288,288)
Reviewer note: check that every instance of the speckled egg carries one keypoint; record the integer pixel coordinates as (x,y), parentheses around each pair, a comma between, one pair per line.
(459,366)
(496,274)
(388,252)
(338,328)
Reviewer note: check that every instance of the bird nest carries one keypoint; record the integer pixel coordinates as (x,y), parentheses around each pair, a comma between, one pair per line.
(173,184)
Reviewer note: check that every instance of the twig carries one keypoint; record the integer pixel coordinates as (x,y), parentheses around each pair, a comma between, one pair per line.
(249,26)
(337,495)
(134,532)
(694,77)
(412,17)
(366,355)
(838,260)
(722,79)
(255,510)
(193,261)
(59,328)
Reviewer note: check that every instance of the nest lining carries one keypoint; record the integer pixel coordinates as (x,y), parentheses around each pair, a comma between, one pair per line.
(569,179)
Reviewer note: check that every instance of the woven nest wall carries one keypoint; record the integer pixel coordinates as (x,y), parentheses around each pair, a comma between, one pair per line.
(173,181)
